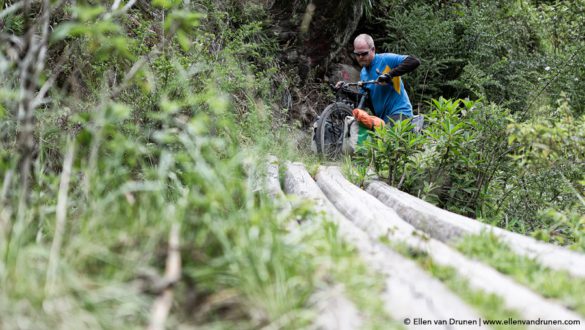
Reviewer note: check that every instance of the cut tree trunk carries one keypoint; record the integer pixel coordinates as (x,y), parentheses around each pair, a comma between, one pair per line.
(447,226)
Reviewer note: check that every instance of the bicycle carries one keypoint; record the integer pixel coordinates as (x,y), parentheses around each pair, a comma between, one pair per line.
(329,126)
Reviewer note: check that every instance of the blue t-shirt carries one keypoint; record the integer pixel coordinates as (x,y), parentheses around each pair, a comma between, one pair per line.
(390,99)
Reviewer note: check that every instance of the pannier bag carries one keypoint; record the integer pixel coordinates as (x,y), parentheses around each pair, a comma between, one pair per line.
(354,134)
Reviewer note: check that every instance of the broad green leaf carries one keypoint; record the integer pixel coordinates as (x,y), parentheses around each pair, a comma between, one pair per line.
(103,27)
(166,4)
(67,29)
(122,46)
(120,111)
(183,40)
(183,20)
(169,106)
(86,13)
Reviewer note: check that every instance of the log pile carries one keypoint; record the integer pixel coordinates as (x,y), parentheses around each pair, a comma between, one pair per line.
(380,218)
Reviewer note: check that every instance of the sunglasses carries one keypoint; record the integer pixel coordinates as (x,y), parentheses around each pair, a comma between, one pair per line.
(361,54)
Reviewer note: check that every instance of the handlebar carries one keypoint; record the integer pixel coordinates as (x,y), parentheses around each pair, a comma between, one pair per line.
(361,97)
(360,83)
(346,85)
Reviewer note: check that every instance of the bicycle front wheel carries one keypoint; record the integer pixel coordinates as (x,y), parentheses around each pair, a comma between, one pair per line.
(329,131)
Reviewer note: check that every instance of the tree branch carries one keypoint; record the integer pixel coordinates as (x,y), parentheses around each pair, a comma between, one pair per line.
(61,214)
(30,68)
(162,305)
(13,8)
(49,83)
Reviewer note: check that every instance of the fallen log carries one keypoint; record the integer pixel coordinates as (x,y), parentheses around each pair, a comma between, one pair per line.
(447,226)
(410,292)
(334,310)
(378,220)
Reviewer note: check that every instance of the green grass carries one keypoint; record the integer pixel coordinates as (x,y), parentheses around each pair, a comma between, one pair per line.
(549,283)
(355,173)
(241,264)
(489,305)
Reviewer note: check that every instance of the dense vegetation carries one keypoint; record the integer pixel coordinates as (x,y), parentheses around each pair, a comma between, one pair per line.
(502,90)
(120,121)
(143,115)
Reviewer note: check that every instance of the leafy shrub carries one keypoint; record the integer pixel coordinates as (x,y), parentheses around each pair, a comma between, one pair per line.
(450,162)
(388,150)
(549,152)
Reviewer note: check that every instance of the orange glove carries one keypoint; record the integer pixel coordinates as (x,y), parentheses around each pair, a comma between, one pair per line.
(367,120)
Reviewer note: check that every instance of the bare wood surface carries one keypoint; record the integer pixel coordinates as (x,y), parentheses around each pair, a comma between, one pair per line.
(409,290)
(446,226)
(380,220)
(334,310)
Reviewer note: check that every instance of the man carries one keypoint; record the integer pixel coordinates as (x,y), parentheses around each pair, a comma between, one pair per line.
(389,99)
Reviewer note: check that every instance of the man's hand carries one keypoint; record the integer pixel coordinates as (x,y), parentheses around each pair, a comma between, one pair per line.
(384,79)
(339,84)
(367,120)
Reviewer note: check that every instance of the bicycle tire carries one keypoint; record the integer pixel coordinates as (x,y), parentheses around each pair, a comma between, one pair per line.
(329,131)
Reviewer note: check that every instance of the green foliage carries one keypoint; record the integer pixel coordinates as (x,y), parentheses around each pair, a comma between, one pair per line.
(550,139)
(151,110)
(451,135)
(167,105)
(518,54)
(549,283)
(564,24)
(450,163)
(549,154)
(235,35)
(564,228)
(480,49)
(12,22)
(355,172)
(389,148)
(478,160)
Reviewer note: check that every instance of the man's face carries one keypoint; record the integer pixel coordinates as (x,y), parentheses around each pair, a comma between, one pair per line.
(363,53)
